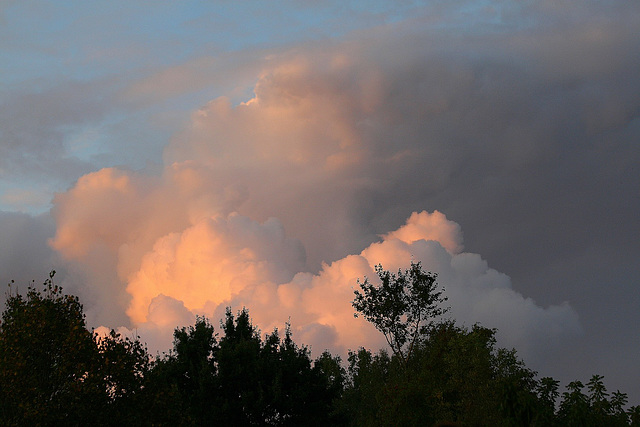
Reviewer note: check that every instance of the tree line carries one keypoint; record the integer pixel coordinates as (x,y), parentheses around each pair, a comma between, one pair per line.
(55,371)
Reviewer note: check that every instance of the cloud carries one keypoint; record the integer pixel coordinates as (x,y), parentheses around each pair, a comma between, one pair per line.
(237,262)
(23,199)
(523,131)
(436,227)
(53,131)
(476,292)
(177,255)
(212,261)
(27,256)
(234,73)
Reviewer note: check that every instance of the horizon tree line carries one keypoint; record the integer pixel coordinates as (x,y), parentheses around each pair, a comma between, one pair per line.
(55,371)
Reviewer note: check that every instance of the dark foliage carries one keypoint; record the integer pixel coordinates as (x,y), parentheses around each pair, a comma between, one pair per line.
(53,371)
(242,379)
(45,355)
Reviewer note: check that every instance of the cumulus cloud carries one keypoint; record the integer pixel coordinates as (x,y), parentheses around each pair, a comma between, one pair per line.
(232,260)
(512,133)
(476,292)
(241,274)
(212,261)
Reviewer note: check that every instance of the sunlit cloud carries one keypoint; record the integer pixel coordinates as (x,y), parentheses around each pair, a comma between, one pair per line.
(233,263)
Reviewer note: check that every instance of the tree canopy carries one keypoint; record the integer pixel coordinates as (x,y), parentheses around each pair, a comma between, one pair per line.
(54,371)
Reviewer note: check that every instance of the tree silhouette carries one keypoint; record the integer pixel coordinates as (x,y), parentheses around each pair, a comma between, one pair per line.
(403,306)
(53,371)
(47,359)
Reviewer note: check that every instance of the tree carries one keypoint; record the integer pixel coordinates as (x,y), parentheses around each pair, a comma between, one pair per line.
(598,401)
(464,377)
(618,414)
(574,408)
(455,375)
(634,415)
(47,360)
(53,371)
(332,380)
(547,390)
(181,386)
(241,379)
(271,382)
(122,366)
(238,371)
(403,306)
(294,392)
(195,352)
(594,409)
(518,399)
(366,393)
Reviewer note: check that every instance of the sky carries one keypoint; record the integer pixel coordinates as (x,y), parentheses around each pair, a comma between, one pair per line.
(170,159)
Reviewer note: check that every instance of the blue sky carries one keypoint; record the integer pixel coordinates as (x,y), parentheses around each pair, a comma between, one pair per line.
(126,126)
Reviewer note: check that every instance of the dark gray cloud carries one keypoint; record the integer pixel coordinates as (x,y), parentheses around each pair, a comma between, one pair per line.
(26,256)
